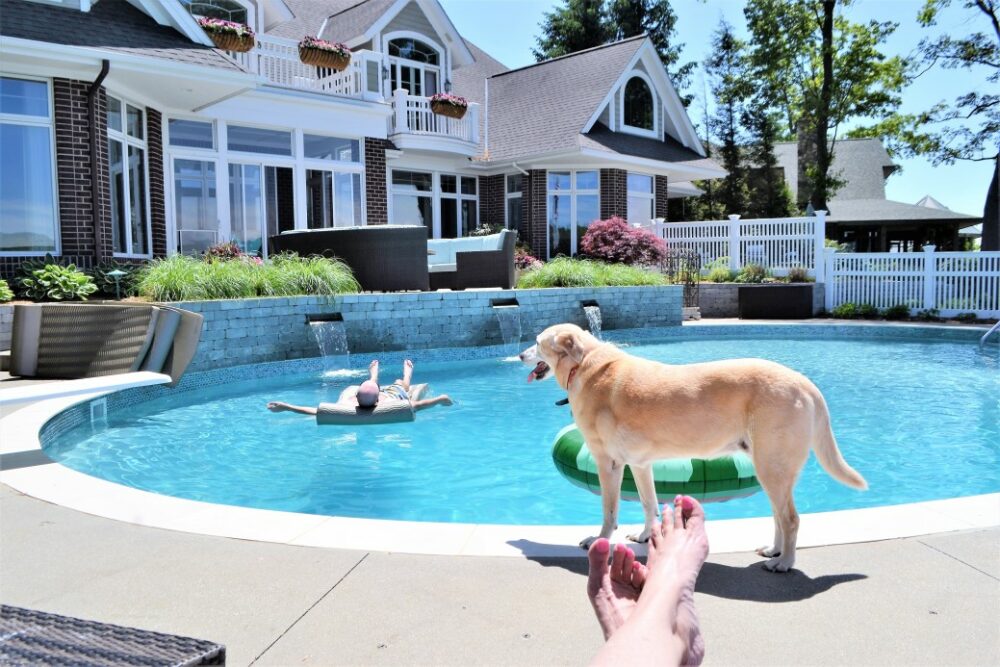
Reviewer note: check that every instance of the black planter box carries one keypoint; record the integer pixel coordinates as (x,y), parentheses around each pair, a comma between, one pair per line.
(776,302)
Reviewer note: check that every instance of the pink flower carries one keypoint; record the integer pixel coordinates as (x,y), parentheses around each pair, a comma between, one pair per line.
(448,98)
(323,45)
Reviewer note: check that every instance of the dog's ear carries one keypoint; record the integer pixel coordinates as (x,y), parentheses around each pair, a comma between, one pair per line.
(567,342)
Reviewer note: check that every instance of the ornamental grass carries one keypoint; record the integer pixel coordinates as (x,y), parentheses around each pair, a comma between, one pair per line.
(567,272)
(183,278)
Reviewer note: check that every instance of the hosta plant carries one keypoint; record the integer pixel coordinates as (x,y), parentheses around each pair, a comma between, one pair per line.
(58,283)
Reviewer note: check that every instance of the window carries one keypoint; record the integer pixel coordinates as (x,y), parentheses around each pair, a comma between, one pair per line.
(412,49)
(218,9)
(195,205)
(333,199)
(27,178)
(638,105)
(412,198)
(191,133)
(515,184)
(127,168)
(413,65)
(458,206)
(573,203)
(640,199)
(259,140)
(331,148)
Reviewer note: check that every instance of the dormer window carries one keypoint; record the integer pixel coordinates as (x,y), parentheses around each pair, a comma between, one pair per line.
(638,105)
(228,10)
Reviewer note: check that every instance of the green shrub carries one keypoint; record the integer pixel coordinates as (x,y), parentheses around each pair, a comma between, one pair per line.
(798,274)
(898,312)
(26,270)
(845,311)
(867,311)
(58,283)
(752,273)
(721,274)
(968,318)
(567,272)
(106,284)
(182,278)
(5,292)
(928,315)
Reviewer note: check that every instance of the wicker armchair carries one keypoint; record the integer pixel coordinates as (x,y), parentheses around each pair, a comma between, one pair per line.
(474,267)
(384,258)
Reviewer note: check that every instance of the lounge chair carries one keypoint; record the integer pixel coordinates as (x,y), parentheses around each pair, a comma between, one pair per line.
(473,261)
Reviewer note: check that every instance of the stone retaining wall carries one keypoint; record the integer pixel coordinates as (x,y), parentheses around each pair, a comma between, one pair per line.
(274,329)
(721,299)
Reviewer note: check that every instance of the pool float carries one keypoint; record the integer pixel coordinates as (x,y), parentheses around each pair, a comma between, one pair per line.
(386,411)
(708,480)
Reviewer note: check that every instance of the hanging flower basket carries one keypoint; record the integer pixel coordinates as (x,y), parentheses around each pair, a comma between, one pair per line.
(229,35)
(451,106)
(318,52)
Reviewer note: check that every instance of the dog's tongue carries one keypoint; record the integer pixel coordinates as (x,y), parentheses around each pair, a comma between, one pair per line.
(537,370)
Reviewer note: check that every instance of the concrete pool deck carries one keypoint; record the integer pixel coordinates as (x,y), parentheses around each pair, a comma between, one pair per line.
(919,600)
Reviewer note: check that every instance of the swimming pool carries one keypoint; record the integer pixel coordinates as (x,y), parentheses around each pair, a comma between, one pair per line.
(919,419)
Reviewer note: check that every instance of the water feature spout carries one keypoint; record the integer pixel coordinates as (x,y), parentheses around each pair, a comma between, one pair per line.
(331,337)
(509,318)
(593,312)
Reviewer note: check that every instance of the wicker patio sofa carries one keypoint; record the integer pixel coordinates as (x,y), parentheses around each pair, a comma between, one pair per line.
(71,341)
(384,258)
(474,261)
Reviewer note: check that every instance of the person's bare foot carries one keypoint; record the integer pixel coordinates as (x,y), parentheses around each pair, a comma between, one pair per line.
(277,406)
(613,589)
(445,399)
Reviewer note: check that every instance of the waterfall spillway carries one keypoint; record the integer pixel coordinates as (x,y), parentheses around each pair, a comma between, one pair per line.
(593,314)
(331,338)
(509,318)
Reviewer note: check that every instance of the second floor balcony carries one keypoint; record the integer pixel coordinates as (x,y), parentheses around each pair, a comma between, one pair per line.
(412,125)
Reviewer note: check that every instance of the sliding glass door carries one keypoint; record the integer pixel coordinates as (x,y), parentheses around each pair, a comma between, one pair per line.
(260,202)
(195,205)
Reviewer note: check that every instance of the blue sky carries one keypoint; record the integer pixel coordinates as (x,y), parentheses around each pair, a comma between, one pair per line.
(506,29)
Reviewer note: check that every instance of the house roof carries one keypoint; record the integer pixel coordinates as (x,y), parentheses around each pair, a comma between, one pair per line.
(543,107)
(930,202)
(111,25)
(308,17)
(469,81)
(355,20)
(863,164)
(603,139)
(888,212)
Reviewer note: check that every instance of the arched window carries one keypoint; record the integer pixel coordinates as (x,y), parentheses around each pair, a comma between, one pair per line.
(228,10)
(412,49)
(638,103)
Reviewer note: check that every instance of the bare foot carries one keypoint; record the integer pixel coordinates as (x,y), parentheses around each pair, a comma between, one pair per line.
(408,364)
(613,590)
(277,406)
(445,399)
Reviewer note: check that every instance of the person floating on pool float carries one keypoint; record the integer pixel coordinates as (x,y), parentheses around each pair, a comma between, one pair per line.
(368,402)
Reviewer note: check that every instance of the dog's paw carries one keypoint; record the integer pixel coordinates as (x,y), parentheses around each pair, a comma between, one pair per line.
(769,552)
(642,537)
(586,542)
(778,565)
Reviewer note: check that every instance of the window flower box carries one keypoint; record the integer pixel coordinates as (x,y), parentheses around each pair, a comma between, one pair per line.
(320,53)
(229,35)
(451,106)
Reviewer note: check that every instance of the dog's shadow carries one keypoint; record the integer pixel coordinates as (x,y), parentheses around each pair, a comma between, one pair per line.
(751,583)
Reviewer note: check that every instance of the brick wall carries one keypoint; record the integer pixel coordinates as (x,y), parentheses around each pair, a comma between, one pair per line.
(492,200)
(614,193)
(258,330)
(661,191)
(534,212)
(154,155)
(376,192)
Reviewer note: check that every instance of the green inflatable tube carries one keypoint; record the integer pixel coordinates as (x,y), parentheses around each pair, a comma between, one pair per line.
(711,480)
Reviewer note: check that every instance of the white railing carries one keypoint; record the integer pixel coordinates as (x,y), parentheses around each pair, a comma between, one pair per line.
(950,282)
(777,244)
(278,61)
(413,115)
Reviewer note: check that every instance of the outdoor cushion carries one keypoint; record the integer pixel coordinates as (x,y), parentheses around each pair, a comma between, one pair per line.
(445,249)
(441,268)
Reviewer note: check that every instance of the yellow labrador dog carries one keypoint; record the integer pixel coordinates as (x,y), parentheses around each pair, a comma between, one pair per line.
(633,412)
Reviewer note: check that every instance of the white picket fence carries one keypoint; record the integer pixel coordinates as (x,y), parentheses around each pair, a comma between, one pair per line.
(950,282)
(777,244)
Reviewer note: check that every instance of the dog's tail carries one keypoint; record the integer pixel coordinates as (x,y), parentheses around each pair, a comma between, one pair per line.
(829,456)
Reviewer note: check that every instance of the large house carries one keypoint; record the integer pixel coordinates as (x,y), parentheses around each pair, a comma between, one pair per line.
(124,134)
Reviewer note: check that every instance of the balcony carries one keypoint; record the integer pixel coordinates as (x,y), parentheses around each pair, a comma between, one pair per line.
(415,126)
(277,60)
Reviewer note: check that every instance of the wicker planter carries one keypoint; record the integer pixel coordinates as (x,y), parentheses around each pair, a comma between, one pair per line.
(449,110)
(230,41)
(324,58)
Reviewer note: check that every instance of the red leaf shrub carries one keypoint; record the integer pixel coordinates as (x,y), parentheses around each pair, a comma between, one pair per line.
(524,260)
(613,241)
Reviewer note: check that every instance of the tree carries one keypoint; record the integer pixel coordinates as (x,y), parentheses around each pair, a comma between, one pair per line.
(726,68)
(825,71)
(583,24)
(579,25)
(656,18)
(769,193)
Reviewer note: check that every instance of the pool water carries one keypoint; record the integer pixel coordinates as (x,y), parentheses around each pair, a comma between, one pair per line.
(920,420)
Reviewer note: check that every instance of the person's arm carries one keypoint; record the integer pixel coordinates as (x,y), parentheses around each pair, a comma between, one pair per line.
(277,406)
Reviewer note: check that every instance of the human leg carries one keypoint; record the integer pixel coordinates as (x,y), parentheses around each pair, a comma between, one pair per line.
(407,375)
(443,399)
(373,371)
(278,406)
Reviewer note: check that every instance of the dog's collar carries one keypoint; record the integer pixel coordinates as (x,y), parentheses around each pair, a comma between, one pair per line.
(572,374)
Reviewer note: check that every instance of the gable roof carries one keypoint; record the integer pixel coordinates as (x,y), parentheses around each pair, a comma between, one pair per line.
(544,107)
(886,211)
(601,138)
(308,17)
(111,25)
(863,164)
